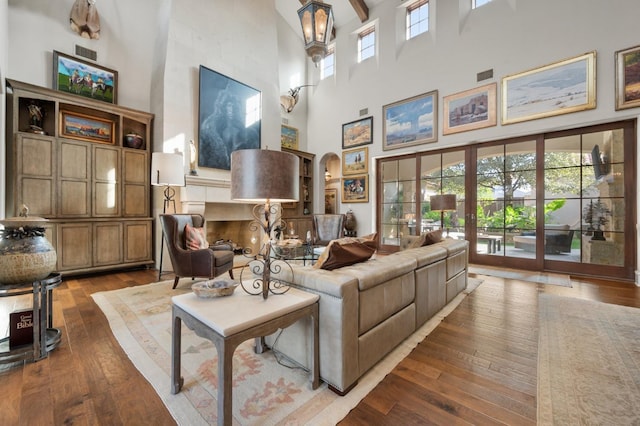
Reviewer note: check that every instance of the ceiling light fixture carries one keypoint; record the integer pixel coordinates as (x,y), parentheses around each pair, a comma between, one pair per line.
(316,19)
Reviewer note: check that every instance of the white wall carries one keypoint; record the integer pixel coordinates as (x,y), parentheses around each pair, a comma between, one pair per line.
(508,36)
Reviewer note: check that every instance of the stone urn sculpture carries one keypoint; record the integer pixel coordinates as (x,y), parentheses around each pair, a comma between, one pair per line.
(350,224)
(25,253)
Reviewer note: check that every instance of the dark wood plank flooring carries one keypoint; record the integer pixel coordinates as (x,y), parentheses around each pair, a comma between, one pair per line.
(477,367)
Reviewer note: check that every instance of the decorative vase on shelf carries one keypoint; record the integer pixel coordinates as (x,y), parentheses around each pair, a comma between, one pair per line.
(133,140)
(25,253)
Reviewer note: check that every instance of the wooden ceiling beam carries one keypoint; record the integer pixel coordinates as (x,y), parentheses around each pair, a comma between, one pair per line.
(361,9)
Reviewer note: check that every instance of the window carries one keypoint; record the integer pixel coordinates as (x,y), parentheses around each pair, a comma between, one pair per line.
(327,65)
(478,3)
(367,44)
(417,18)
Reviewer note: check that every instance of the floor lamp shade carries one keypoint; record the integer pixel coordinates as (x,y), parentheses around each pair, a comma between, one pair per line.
(443,202)
(167,169)
(260,175)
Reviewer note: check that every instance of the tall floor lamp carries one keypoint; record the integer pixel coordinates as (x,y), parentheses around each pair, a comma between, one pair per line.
(167,170)
(264,177)
(443,203)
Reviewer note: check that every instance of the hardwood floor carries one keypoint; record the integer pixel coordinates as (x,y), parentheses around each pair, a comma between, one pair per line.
(477,367)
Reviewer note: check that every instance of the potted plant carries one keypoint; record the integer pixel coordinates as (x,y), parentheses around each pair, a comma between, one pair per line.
(596,215)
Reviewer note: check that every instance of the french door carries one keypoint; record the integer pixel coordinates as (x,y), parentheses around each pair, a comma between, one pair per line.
(562,201)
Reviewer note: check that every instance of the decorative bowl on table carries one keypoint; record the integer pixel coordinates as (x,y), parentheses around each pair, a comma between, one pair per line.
(214,288)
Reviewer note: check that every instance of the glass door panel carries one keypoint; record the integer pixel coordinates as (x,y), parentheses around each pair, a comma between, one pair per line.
(398,207)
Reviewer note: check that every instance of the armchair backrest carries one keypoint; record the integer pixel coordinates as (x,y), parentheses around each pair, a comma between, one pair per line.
(173,228)
(327,227)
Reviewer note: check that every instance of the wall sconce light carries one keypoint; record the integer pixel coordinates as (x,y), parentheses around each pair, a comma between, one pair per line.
(316,19)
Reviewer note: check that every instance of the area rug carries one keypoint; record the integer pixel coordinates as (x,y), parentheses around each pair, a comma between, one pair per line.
(519,274)
(264,392)
(588,363)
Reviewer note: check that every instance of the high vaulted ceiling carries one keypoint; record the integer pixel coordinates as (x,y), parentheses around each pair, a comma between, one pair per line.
(344,11)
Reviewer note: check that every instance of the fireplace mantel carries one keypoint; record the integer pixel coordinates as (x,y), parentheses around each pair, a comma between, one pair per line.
(211,197)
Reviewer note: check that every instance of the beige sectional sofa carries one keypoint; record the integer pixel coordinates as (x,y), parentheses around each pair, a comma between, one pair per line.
(367,309)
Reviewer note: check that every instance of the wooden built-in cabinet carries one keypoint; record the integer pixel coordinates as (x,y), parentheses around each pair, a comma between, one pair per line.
(300,215)
(95,195)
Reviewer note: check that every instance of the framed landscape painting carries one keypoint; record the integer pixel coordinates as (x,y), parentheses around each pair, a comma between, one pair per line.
(469,110)
(409,122)
(356,133)
(628,78)
(355,189)
(355,161)
(77,76)
(288,137)
(229,118)
(559,88)
(83,127)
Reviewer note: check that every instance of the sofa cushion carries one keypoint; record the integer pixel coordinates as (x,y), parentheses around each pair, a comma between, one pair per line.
(343,252)
(408,242)
(432,237)
(195,238)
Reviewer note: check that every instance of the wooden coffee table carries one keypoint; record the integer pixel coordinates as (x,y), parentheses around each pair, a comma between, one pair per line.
(231,320)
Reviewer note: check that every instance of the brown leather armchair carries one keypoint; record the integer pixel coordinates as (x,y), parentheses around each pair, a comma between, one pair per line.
(327,227)
(208,263)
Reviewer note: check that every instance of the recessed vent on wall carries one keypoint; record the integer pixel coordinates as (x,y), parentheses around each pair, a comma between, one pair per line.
(364,112)
(484,75)
(285,120)
(86,53)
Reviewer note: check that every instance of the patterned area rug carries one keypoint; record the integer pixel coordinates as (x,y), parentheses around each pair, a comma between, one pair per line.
(518,274)
(588,363)
(264,392)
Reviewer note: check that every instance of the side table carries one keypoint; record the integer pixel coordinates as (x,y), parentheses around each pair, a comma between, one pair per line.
(231,320)
(45,337)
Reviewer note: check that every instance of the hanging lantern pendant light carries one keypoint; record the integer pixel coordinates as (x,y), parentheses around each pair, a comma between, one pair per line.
(316,19)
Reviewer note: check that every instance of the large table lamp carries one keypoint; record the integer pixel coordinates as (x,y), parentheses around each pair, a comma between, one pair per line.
(265,177)
(443,203)
(167,169)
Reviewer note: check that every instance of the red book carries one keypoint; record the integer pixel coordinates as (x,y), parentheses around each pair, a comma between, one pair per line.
(20,328)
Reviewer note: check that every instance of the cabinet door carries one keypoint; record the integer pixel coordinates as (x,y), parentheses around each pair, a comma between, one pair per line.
(106,185)
(74,245)
(74,159)
(135,181)
(35,175)
(107,243)
(137,241)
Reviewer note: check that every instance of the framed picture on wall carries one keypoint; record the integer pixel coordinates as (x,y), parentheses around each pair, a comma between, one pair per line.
(229,118)
(356,133)
(330,201)
(80,77)
(409,122)
(355,161)
(628,78)
(355,189)
(469,110)
(288,137)
(560,88)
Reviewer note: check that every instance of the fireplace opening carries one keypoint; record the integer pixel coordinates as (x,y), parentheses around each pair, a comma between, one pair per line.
(236,233)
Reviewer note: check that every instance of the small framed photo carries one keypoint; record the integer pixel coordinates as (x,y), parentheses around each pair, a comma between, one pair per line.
(410,122)
(560,88)
(356,133)
(355,189)
(355,161)
(86,128)
(77,76)
(628,78)
(288,137)
(469,110)
(330,201)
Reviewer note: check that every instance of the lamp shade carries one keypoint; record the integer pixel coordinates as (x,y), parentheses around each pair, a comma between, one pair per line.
(261,175)
(443,202)
(316,19)
(167,169)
